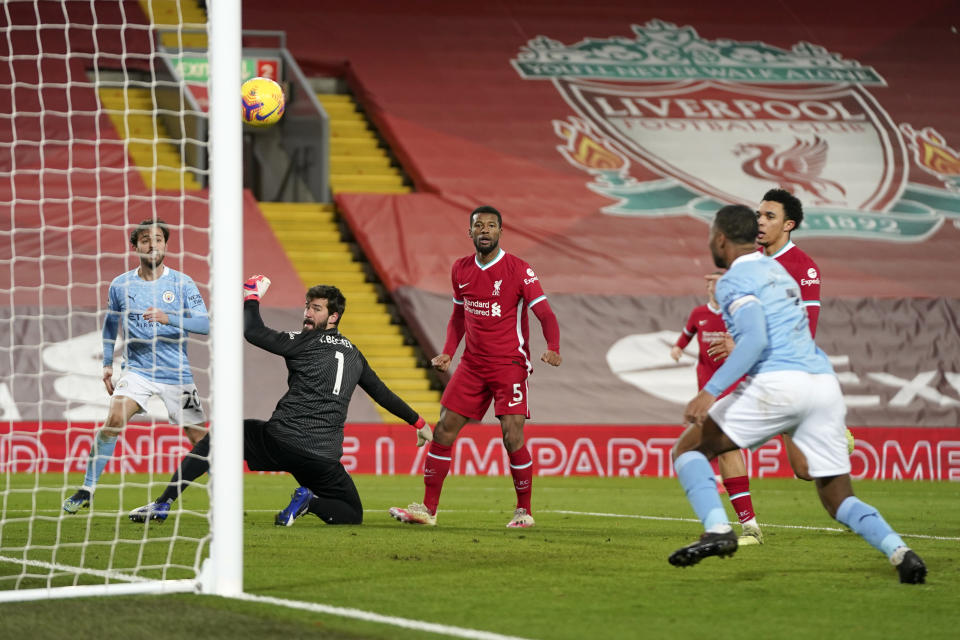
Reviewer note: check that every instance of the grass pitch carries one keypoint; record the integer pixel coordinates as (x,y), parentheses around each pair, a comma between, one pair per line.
(594,566)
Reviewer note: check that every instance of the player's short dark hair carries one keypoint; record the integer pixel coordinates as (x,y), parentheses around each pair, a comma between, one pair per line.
(792,208)
(146,225)
(336,303)
(485,208)
(738,223)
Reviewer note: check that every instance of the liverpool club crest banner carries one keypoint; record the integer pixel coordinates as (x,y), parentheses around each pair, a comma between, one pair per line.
(723,121)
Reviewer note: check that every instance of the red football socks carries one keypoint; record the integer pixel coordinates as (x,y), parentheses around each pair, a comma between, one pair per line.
(739,491)
(435,469)
(521,467)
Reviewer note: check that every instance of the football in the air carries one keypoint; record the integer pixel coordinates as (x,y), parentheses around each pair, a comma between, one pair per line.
(263,102)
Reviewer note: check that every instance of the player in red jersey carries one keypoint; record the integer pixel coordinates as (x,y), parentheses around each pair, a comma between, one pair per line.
(706,323)
(492,291)
(778,215)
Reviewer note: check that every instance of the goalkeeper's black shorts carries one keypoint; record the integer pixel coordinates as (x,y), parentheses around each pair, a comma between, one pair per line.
(336,499)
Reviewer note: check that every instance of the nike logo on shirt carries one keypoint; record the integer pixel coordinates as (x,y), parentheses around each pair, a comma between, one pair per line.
(461,286)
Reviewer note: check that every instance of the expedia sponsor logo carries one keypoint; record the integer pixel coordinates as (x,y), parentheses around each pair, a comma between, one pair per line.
(806,282)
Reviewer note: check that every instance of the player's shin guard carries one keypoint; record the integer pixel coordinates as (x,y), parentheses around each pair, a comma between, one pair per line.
(697,479)
(739,491)
(100,454)
(194,464)
(521,468)
(435,470)
(869,524)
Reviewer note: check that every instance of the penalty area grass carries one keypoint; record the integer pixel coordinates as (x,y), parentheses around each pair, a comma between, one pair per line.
(595,565)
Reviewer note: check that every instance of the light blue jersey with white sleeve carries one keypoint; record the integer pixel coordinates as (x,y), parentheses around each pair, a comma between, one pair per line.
(153,350)
(755,279)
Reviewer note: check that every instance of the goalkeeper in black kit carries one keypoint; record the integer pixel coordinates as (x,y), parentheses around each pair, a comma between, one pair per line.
(304,436)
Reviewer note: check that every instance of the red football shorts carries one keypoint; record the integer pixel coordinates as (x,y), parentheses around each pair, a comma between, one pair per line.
(471,388)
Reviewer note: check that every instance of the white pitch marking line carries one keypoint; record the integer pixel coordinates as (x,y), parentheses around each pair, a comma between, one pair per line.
(56,566)
(358,614)
(632,516)
(765,524)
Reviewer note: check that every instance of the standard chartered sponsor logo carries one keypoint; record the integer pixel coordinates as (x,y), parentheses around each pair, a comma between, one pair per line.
(479,308)
(710,336)
(483,308)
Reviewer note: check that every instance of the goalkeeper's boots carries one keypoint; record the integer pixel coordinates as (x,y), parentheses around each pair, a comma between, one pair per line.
(521,519)
(709,544)
(415,513)
(77,501)
(909,566)
(299,505)
(154,511)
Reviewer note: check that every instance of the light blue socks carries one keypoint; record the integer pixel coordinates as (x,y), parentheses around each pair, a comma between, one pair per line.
(100,454)
(696,476)
(869,524)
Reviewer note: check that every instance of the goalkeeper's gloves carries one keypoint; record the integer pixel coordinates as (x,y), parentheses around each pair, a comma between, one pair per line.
(255,287)
(424,433)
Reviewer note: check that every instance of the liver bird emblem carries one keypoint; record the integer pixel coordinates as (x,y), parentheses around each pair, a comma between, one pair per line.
(795,169)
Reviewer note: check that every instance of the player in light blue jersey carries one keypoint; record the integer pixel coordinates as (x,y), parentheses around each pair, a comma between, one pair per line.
(156,307)
(790,388)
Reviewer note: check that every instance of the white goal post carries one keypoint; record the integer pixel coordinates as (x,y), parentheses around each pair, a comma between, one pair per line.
(224,573)
(67,209)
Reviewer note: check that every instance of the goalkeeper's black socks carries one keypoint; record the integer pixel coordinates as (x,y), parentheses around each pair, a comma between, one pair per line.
(194,464)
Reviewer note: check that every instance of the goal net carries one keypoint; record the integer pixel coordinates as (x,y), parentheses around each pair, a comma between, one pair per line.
(100,132)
